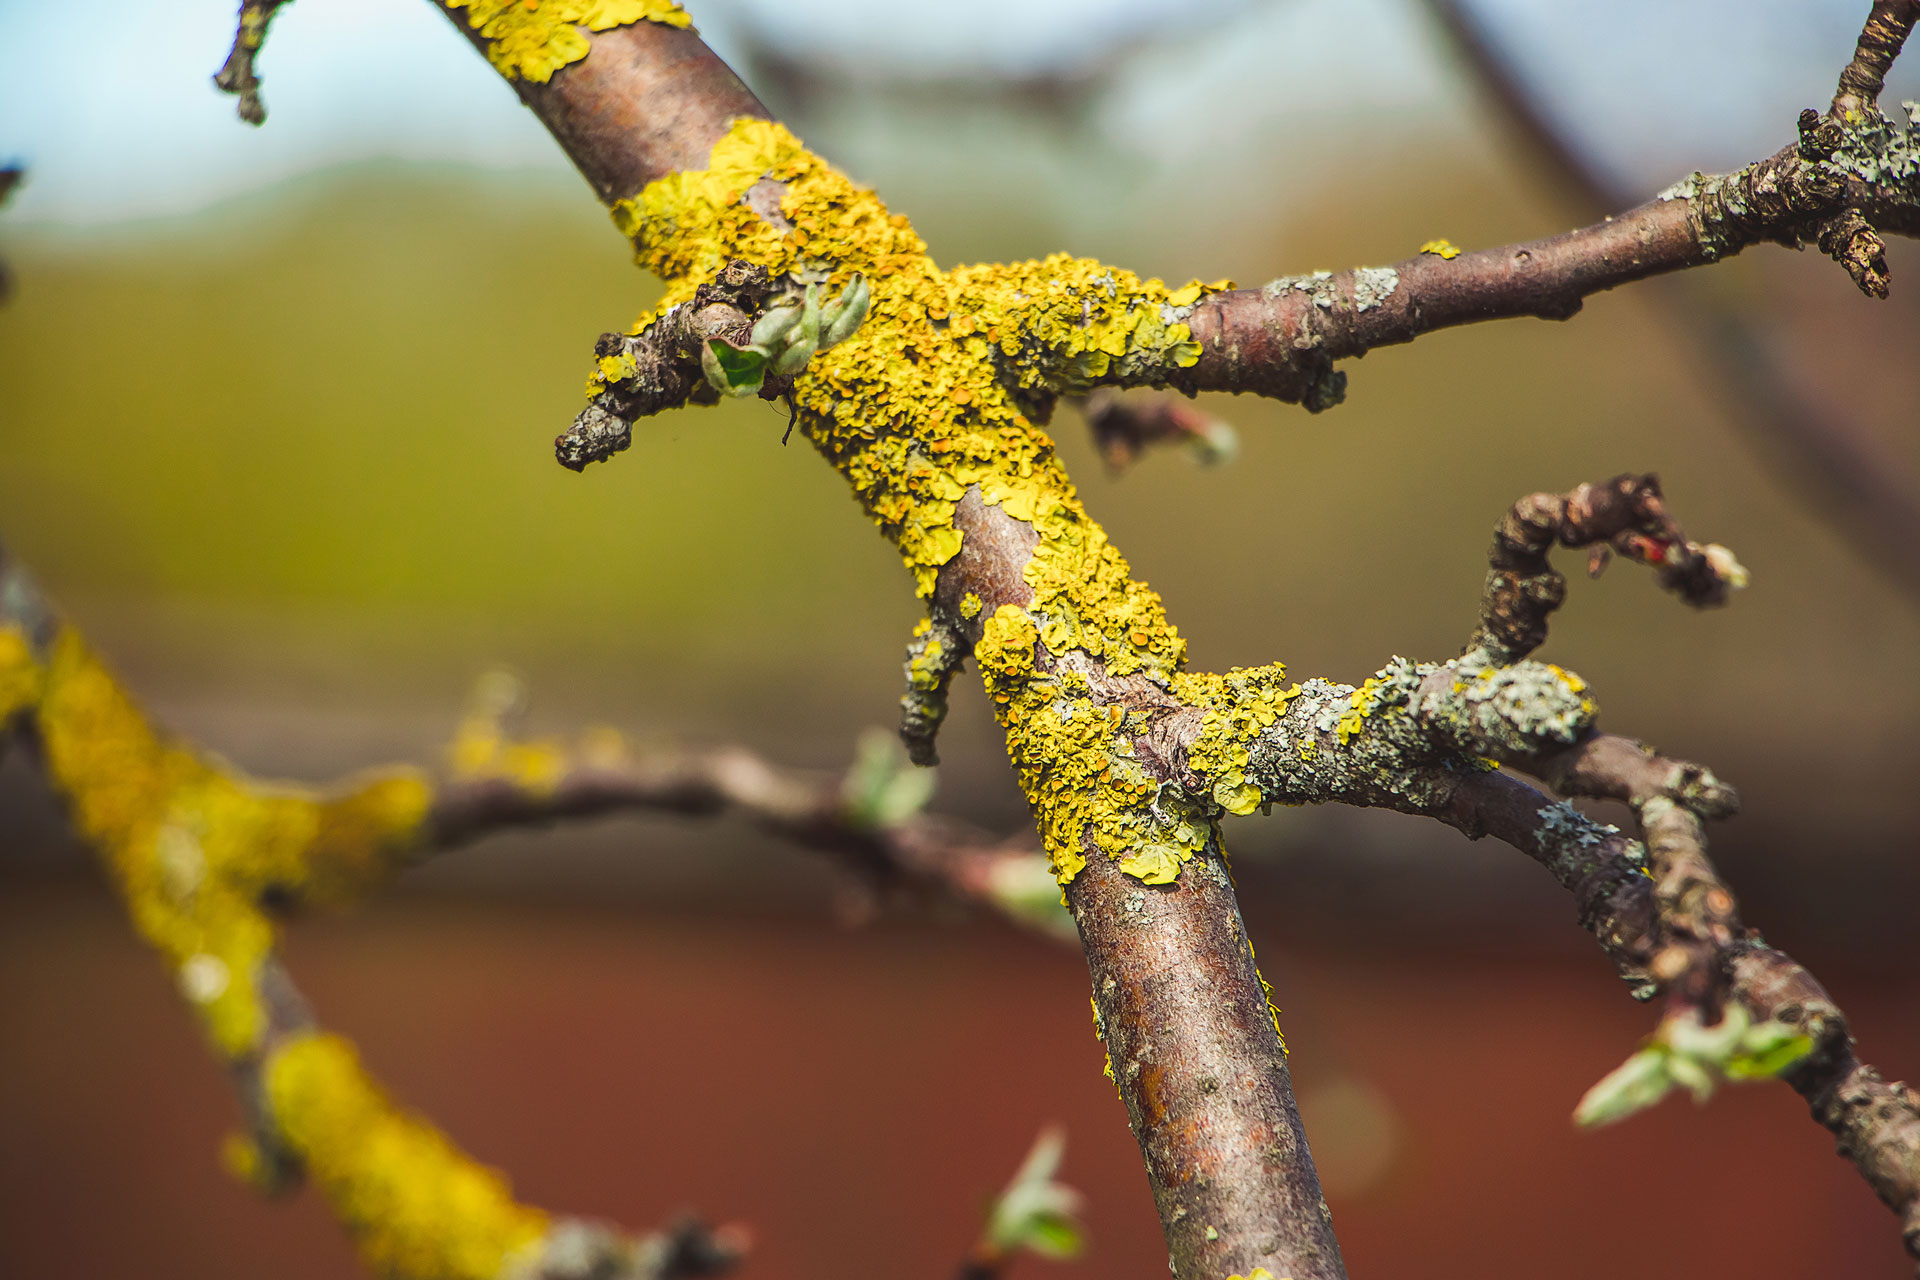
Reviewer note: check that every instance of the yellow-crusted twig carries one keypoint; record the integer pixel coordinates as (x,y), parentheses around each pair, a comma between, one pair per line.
(204,857)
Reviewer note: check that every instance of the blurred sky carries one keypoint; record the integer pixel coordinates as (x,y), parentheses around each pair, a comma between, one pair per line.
(134,129)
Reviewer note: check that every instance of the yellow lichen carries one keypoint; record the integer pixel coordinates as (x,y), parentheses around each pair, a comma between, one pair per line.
(1240,706)
(1100,1034)
(970,606)
(20,675)
(532,39)
(418,1208)
(1361,706)
(482,749)
(1266,991)
(1441,248)
(929,399)
(194,848)
(1576,686)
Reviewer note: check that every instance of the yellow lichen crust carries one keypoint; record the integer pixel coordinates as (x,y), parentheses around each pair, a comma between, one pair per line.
(1240,706)
(20,675)
(418,1208)
(532,39)
(193,848)
(934,395)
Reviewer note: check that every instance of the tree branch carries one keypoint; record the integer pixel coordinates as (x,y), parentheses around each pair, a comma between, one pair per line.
(237,76)
(931,413)
(206,857)
(1819,456)
(1420,738)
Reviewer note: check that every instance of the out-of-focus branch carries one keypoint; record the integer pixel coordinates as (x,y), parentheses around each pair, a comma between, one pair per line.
(1125,425)
(1820,454)
(237,75)
(870,823)
(205,857)
(198,852)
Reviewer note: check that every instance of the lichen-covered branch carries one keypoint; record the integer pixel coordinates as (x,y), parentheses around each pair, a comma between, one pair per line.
(201,856)
(1425,737)
(934,657)
(206,858)
(1876,1123)
(933,412)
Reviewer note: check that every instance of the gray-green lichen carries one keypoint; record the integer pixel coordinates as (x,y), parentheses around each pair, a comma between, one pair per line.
(1685,189)
(1373,286)
(1572,845)
(1511,712)
(1879,150)
(1410,730)
(1317,286)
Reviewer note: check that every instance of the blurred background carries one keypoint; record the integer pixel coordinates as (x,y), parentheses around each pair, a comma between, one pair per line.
(274,418)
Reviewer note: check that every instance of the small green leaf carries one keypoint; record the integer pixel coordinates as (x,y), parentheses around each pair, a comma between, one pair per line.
(1052,1237)
(1035,1212)
(1634,1085)
(1768,1049)
(732,370)
(795,357)
(846,313)
(884,789)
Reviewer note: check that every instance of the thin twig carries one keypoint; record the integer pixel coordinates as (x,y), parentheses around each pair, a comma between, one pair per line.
(1815,450)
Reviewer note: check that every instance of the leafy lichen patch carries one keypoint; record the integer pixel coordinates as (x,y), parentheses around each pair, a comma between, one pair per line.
(532,39)
(943,391)
(418,1207)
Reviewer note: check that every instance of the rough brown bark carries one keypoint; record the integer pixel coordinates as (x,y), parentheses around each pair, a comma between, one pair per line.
(1204,1078)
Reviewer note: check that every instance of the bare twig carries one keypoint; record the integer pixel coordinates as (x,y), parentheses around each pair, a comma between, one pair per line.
(1885,32)
(237,75)
(1816,451)
(1625,515)
(11,176)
